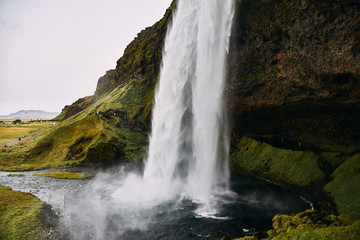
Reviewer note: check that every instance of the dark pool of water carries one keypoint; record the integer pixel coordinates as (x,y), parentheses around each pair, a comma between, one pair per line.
(250,209)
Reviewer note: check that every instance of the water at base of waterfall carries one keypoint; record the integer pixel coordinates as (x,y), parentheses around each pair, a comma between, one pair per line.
(249,207)
(89,211)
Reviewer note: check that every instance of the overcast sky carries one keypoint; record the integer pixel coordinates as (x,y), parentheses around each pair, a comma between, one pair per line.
(52,52)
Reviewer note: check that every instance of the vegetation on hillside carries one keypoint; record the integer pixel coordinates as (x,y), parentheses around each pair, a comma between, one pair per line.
(111,129)
(332,174)
(293,167)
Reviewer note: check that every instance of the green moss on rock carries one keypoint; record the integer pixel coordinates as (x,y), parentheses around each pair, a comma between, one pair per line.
(259,158)
(311,224)
(63,175)
(344,187)
(15,175)
(73,109)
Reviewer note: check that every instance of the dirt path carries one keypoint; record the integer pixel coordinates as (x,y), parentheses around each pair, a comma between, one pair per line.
(14,142)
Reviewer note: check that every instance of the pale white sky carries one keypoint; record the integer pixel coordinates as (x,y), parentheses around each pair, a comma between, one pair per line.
(52,52)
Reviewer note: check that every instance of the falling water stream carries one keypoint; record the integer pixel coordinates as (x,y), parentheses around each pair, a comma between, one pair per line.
(188,144)
(183,191)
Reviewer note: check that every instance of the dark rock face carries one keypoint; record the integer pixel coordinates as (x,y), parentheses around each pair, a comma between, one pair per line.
(294,69)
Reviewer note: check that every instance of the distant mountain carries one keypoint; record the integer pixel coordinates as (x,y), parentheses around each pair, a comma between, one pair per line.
(30,114)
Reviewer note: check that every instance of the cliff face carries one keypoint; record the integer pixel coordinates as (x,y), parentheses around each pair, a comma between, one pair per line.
(294,68)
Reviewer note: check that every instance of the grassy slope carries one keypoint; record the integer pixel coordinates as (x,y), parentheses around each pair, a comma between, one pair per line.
(87,138)
(293,167)
(303,169)
(344,187)
(19,215)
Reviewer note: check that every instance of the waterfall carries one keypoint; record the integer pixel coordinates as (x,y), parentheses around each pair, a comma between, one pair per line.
(186,171)
(189,141)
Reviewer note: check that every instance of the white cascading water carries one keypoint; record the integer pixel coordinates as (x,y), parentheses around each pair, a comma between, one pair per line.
(188,143)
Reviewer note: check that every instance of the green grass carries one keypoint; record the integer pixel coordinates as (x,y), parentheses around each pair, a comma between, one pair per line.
(19,215)
(344,187)
(88,139)
(302,169)
(136,144)
(11,132)
(63,175)
(15,175)
(292,167)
